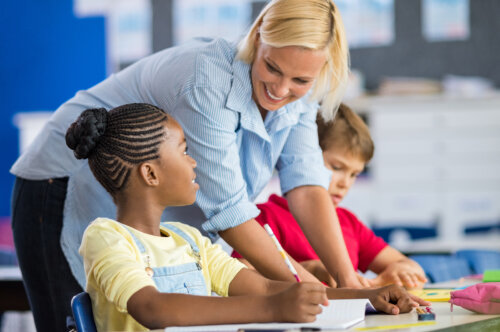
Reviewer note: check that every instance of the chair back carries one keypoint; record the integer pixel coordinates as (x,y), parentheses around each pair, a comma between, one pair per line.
(82,312)
(440,268)
(481,260)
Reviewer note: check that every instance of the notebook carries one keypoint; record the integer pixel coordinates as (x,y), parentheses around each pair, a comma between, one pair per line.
(433,294)
(338,315)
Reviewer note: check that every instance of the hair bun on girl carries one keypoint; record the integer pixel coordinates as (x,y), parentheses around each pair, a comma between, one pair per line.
(84,134)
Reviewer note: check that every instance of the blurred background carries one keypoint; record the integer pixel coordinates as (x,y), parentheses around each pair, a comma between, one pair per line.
(425,77)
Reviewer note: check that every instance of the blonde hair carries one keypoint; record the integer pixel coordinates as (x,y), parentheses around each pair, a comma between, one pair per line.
(312,24)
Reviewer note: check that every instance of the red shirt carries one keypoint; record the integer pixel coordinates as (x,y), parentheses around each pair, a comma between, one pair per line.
(362,244)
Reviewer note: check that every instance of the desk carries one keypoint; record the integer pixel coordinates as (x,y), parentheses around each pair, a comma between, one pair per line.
(13,296)
(458,320)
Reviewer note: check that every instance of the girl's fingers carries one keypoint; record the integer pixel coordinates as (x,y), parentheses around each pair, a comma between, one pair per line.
(419,300)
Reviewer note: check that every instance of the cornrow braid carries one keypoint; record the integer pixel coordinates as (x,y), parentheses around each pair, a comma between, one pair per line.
(115,141)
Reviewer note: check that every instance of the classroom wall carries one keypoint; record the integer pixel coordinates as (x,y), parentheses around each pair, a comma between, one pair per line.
(47,55)
(412,55)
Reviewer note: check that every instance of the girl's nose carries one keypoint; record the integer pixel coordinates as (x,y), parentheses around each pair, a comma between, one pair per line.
(193,162)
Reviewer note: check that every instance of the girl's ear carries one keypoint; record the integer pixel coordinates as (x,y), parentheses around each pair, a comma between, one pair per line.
(148,174)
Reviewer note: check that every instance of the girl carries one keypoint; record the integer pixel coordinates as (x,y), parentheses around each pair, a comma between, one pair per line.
(142,273)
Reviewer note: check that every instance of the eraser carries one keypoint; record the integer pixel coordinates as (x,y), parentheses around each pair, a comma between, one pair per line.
(491,275)
(427,316)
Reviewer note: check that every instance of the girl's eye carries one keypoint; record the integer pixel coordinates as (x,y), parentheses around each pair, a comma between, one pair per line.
(186,151)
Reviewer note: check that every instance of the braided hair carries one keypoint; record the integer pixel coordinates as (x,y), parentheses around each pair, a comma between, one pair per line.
(116,141)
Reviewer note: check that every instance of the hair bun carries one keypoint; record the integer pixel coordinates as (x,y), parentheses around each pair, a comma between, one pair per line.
(84,134)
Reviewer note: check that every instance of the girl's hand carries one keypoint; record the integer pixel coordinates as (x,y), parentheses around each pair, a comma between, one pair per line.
(405,273)
(300,303)
(394,299)
(317,269)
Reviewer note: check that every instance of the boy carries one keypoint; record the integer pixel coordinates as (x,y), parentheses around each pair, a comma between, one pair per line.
(347,148)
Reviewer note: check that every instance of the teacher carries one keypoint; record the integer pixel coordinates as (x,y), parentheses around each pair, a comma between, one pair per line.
(246,110)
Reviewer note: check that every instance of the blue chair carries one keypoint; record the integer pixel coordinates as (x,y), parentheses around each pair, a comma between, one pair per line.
(440,268)
(480,260)
(414,232)
(82,312)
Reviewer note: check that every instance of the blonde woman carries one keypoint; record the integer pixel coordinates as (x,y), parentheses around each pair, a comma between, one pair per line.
(246,110)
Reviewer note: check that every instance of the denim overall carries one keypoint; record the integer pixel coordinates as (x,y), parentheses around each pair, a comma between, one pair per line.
(186,278)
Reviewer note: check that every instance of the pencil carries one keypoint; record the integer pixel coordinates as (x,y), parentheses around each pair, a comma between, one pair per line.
(282,252)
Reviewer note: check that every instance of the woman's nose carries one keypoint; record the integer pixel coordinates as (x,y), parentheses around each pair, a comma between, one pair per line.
(281,88)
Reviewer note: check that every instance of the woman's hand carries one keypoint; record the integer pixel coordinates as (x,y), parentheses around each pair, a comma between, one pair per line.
(299,303)
(393,299)
(317,269)
(405,273)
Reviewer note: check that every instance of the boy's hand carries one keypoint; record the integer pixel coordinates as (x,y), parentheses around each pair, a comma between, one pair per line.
(405,273)
(317,269)
(394,299)
(300,303)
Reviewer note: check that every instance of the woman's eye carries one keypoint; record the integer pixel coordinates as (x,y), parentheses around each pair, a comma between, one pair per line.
(186,151)
(301,81)
(271,68)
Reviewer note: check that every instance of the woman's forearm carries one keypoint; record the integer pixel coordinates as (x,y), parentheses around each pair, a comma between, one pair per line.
(313,209)
(255,245)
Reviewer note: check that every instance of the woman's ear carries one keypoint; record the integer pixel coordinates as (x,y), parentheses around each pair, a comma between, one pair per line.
(148,174)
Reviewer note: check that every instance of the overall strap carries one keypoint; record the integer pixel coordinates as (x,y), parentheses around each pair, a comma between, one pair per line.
(136,240)
(182,234)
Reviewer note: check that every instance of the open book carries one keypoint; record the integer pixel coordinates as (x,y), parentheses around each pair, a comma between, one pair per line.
(339,314)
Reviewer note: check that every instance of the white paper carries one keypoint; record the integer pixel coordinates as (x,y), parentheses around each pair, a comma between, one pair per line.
(339,314)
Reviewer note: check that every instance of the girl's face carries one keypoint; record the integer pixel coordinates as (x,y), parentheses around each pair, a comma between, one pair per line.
(176,168)
(283,75)
(345,169)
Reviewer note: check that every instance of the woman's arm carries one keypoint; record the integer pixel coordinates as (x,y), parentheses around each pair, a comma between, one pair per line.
(313,209)
(256,246)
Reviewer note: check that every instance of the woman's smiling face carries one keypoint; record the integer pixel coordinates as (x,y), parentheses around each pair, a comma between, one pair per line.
(283,75)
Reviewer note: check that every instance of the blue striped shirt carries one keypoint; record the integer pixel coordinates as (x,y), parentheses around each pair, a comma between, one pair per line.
(209,93)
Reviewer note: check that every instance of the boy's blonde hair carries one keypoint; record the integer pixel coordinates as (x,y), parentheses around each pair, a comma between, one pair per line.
(312,24)
(347,133)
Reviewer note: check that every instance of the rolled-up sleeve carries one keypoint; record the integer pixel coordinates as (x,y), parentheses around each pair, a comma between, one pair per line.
(301,161)
(210,130)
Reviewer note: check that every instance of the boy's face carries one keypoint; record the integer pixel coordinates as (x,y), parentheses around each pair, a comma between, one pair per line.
(345,168)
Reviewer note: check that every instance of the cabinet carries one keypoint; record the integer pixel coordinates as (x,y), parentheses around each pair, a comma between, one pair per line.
(436,162)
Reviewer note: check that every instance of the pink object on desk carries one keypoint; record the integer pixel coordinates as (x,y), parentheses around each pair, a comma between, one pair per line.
(483,298)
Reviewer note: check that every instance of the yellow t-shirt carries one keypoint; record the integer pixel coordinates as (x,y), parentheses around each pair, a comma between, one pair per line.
(115,269)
